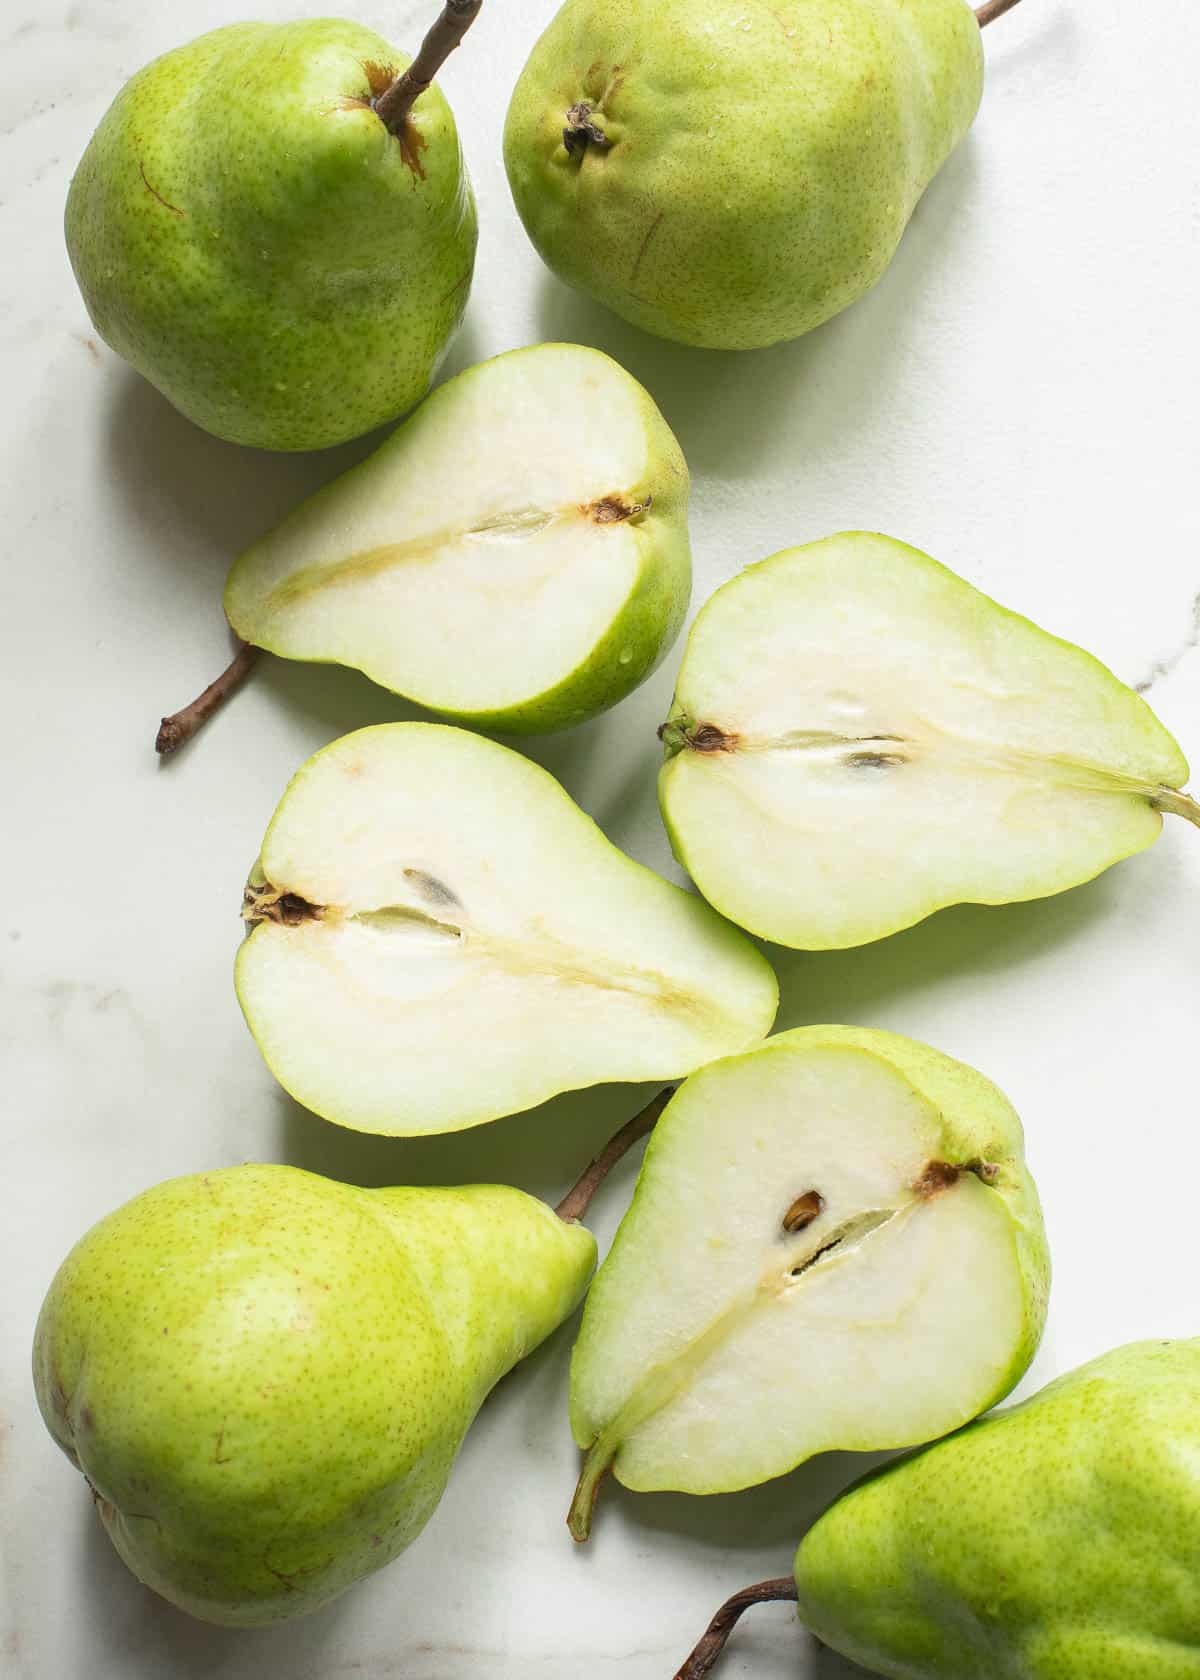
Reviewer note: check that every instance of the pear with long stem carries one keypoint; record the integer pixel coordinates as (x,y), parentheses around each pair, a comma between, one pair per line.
(273,224)
(265,1376)
(523,585)
(1054,1539)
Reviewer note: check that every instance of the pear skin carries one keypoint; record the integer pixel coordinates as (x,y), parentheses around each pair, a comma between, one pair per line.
(265,1376)
(729,173)
(250,236)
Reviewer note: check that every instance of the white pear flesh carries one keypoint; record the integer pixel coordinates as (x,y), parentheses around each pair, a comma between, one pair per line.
(515,555)
(860,738)
(440,936)
(844,1250)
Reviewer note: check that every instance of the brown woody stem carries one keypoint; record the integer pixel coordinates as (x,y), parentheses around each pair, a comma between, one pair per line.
(181,726)
(723,1623)
(395,102)
(991,10)
(578,1198)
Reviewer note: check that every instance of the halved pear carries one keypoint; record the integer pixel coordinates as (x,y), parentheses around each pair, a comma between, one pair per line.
(515,555)
(440,936)
(859,738)
(834,1244)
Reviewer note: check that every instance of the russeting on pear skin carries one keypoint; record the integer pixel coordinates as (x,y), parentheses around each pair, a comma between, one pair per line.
(729,173)
(859,738)
(440,936)
(275,227)
(834,1244)
(497,562)
(266,1376)
(1056,1540)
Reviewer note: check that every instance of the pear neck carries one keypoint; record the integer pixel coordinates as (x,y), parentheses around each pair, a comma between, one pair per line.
(394,104)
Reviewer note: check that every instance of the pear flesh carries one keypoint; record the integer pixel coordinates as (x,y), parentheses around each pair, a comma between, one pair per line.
(729,173)
(252,238)
(1057,1540)
(266,1376)
(859,738)
(515,555)
(848,1253)
(440,937)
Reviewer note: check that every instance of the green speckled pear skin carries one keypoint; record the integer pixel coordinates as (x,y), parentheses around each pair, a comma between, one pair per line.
(1057,1540)
(265,1376)
(247,233)
(756,161)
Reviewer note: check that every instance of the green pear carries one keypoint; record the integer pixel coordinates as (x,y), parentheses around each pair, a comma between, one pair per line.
(524,588)
(266,1376)
(846,1252)
(439,936)
(859,738)
(729,173)
(271,232)
(1056,1540)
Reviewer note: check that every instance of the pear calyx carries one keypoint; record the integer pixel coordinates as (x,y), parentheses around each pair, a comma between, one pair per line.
(940,1175)
(265,903)
(581,132)
(712,1643)
(680,732)
(393,105)
(613,510)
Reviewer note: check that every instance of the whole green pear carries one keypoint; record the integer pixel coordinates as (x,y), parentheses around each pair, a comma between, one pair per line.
(265,1376)
(729,173)
(1055,1540)
(248,233)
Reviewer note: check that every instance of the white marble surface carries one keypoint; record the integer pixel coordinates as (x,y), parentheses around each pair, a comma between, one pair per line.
(1017,397)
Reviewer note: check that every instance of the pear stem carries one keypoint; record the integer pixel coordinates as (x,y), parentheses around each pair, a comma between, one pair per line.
(397,100)
(991,10)
(596,1466)
(1178,803)
(578,1198)
(181,726)
(723,1623)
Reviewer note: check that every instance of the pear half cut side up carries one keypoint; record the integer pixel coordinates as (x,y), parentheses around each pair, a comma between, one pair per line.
(438,936)
(860,738)
(848,1253)
(515,556)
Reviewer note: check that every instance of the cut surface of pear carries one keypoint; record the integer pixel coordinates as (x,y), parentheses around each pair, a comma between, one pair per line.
(859,738)
(834,1244)
(440,936)
(515,555)
(266,1375)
